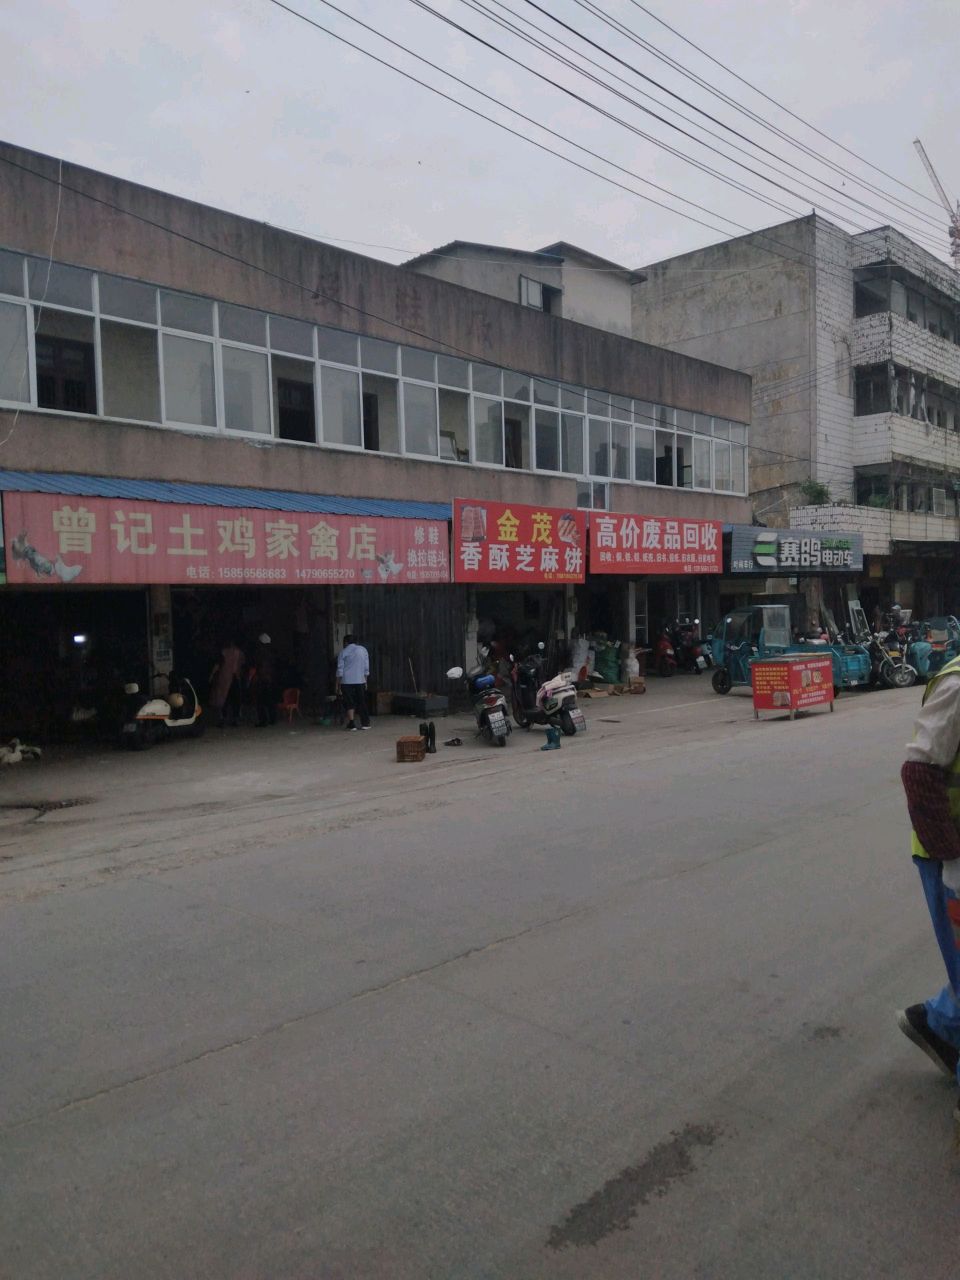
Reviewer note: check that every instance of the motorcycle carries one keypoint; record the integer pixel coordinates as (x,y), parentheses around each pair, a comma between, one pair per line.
(664,653)
(147,720)
(889,662)
(689,649)
(489,703)
(536,701)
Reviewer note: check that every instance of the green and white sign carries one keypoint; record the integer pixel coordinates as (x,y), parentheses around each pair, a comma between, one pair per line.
(770,552)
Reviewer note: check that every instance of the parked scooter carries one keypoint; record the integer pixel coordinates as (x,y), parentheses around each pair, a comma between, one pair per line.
(536,701)
(889,662)
(489,703)
(147,720)
(664,653)
(689,649)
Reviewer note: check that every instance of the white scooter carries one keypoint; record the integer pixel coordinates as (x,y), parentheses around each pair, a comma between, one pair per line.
(538,701)
(147,720)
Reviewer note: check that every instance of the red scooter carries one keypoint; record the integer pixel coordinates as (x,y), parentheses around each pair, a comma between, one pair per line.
(664,653)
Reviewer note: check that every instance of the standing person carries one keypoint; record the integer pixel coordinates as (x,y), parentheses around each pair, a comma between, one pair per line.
(225,684)
(931,779)
(264,682)
(353,671)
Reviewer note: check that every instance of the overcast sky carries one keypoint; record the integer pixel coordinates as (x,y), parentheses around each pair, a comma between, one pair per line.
(238,104)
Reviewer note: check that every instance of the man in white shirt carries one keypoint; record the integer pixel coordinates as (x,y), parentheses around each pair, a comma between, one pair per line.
(353,671)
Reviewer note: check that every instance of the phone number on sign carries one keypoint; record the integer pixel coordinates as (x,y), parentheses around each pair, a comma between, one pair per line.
(261,575)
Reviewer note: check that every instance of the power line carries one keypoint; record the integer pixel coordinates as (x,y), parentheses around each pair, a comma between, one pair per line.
(800,120)
(478,7)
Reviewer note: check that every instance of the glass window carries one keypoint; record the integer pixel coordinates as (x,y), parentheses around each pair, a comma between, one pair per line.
(571,443)
(188,381)
(246,391)
(684,461)
(664,458)
(665,415)
(548,441)
(898,297)
(516,437)
(293,336)
(870,297)
(488,430)
(621,407)
(685,419)
(375,354)
(58,285)
(63,346)
(601,496)
(722,466)
(644,413)
(420,419)
(418,364)
(241,324)
(915,307)
(381,415)
(340,401)
(128,299)
(599,447)
(294,399)
(546,392)
(131,371)
(620,438)
(738,432)
(454,425)
(702,477)
(335,345)
(181,311)
(531,293)
(486,379)
(584,493)
(643,454)
(598,402)
(721,429)
(738,468)
(453,372)
(516,386)
(14,371)
(572,398)
(11,273)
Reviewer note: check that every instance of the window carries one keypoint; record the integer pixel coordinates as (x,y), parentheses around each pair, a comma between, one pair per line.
(871,391)
(548,440)
(293,336)
(571,443)
(240,324)
(181,311)
(340,401)
(516,437)
(294,399)
(65,363)
(59,285)
(738,468)
(381,416)
(546,392)
(14,369)
(871,296)
(11,273)
(131,371)
(643,454)
(516,386)
(531,293)
(486,379)
(601,496)
(454,425)
(664,458)
(644,413)
(621,408)
(599,447)
(128,299)
(418,364)
(488,426)
(246,396)
(337,346)
(620,434)
(939,497)
(377,355)
(420,419)
(188,381)
(571,398)
(916,312)
(452,372)
(684,448)
(722,466)
(702,469)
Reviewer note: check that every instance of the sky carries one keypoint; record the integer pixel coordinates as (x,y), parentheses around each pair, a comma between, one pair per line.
(241,105)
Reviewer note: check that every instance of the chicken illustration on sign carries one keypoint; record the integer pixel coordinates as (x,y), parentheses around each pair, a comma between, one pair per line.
(501,542)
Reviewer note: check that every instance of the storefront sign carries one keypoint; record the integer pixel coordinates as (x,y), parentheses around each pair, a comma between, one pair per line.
(654,544)
(787,551)
(55,540)
(507,542)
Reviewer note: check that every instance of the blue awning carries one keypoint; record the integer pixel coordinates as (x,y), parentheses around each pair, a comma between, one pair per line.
(216,495)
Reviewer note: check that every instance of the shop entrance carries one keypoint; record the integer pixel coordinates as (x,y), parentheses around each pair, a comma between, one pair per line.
(661,602)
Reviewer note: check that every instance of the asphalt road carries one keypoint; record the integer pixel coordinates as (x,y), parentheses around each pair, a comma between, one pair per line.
(619,1011)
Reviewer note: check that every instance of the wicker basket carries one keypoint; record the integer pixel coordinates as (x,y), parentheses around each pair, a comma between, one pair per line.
(411,749)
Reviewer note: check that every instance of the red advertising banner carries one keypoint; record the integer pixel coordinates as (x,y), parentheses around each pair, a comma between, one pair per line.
(56,539)
(510,542)
(792,683)
(654,544)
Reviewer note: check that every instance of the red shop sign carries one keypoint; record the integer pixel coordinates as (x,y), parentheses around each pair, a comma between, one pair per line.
(55,539)
(654,544)
(510,542)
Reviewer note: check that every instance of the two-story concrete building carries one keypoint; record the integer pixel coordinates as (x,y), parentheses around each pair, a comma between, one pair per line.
(210,427)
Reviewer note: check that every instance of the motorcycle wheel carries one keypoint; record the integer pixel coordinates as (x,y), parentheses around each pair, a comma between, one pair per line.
(902,677)
(721,680)
(567,727)
(665,667)
(501,741)
(486,732)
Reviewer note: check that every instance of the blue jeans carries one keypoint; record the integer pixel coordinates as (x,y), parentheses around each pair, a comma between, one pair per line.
(943,1011)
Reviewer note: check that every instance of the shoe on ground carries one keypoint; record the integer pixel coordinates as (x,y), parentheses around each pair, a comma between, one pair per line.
(364,726)
(913,1023)
(351,724)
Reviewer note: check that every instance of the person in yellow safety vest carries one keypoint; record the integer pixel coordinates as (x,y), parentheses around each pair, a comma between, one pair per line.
(931,779)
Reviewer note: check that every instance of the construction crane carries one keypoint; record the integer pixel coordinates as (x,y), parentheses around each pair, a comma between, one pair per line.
(953,231)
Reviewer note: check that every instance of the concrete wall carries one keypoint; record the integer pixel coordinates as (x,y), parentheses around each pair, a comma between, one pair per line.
(884,244)
(872,522)
(295,276)
(748,303)
(833,449)
(888,336)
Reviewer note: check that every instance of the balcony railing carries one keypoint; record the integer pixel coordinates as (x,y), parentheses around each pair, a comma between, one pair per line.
(880,527)
(888,336)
